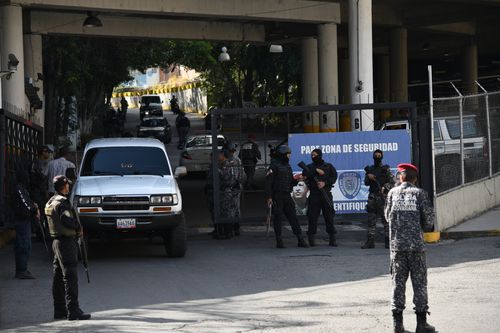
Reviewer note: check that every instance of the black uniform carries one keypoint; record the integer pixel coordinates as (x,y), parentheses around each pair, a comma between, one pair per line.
(317,202)
(279,184)
(64,227)
(378,189)
(249,155)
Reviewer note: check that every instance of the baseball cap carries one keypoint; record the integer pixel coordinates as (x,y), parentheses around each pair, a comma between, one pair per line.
(59,181)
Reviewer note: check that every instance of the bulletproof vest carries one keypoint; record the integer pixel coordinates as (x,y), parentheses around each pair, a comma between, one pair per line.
(247,152)
(381,173)
(56,228)
(282,178)
(323,166)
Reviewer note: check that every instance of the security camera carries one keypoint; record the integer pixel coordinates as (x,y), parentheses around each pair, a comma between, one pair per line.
(12,64)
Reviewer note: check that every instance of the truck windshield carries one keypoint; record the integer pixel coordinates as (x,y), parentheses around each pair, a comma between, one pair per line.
(471,129)
(123,161)
(150,99)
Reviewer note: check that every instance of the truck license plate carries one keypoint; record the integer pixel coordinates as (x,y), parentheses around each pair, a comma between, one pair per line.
(125,223)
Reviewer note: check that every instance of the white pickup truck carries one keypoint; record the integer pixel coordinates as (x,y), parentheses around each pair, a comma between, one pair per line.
(126,187)
(447,147)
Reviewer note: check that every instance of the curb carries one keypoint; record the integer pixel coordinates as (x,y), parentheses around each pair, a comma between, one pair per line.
(470,234)
(6,236)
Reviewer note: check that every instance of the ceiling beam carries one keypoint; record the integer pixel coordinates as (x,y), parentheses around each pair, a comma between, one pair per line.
(271,10)
(132,27)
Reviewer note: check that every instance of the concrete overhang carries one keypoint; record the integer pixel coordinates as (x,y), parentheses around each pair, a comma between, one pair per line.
(301,11)
(135,27)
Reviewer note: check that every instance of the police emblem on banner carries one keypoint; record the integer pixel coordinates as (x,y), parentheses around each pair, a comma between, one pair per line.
(349,184)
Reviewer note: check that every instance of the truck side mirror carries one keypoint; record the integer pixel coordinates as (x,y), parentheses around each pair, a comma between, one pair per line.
(180,171)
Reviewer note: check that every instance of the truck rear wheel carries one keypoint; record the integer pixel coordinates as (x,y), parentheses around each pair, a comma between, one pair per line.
(175,240)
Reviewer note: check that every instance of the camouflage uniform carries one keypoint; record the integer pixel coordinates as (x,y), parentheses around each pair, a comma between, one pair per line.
(376,200)
(408,212)
(232,185)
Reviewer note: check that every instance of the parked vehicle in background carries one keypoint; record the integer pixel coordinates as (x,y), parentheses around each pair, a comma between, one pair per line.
(447,148)
(155,127)
(126,188)
(196,155)
(151,105)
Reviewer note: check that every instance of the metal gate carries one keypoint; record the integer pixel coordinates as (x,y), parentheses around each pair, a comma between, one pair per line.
(19,139)
(421,149)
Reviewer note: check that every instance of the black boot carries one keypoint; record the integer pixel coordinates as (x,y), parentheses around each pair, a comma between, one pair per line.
(422,325)
(310,238)
(279,243)
(301,241)
(79,315)
(333,241)
(397,318)
(369,244)
(386,241)
(60,314)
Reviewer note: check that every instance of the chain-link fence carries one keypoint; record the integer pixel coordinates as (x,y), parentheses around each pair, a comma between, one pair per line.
(466,138)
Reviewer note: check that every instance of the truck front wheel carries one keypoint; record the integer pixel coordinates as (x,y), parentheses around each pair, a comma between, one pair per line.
(175,240)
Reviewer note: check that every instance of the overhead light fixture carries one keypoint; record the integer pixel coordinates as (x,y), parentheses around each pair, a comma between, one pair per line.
(275,48)
(92,21)
(224,56)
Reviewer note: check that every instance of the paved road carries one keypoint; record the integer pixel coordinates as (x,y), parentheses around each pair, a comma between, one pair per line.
(246,285)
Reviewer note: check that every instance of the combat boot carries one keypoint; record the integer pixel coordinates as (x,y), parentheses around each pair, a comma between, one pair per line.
(311,240)
(397,318)
(386,241)
(369,244)
(79,315)
(422,325)
(279,243)
(333,241)
(301,241)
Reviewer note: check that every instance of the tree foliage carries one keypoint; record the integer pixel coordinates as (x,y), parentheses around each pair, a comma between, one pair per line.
(87,69)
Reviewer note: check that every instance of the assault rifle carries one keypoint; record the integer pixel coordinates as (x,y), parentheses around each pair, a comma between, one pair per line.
(310,174)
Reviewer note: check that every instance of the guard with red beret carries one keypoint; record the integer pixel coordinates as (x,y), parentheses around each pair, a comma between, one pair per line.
(409,213)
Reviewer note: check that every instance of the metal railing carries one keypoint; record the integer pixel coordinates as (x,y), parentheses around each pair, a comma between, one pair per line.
(466,135)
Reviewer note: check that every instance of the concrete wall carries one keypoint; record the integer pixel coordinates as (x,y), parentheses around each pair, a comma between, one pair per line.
(456,206)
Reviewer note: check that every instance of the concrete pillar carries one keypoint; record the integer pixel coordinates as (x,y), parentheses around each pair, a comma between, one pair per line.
(399,65)
(309,49)
(344,94)
(361,62)
(32,66)
(12,42)
(328,75)
(383,83)
(469,69)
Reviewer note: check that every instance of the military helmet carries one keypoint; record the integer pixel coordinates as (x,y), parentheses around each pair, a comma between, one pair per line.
(284,149)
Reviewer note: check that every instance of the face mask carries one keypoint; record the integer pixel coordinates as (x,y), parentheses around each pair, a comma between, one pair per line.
(316,159)
(377,160)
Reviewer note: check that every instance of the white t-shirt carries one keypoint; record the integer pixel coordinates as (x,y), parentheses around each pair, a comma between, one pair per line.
(57,167)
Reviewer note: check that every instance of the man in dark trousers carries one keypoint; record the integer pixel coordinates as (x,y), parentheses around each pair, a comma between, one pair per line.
(25,210)
(409,214)
(279,184)
(39,183)
(320,182)
(64,229)
(183,125)
(249,155)
(380,180)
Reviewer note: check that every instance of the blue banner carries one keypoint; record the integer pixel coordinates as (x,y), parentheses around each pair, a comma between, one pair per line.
(350,153)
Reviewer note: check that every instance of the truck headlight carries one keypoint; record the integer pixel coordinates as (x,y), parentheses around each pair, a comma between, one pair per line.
(168,199)
(89,201)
